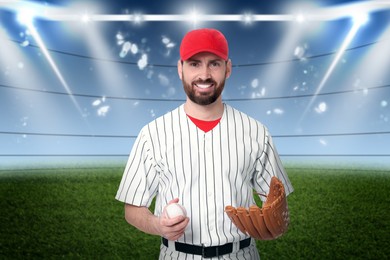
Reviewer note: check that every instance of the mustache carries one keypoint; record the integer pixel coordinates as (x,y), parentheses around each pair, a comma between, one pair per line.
(207,81)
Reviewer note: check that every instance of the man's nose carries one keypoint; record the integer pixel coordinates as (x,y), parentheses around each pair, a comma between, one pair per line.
(205,72)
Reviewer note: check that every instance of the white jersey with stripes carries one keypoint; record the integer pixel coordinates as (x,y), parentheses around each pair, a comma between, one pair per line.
(173,158)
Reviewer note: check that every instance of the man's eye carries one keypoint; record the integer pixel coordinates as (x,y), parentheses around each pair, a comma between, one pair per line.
(215,64)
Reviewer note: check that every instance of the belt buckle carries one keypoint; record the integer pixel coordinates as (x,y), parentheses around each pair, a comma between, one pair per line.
(207,254)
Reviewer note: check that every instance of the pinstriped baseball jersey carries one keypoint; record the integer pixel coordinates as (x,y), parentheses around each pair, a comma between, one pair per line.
(172,158)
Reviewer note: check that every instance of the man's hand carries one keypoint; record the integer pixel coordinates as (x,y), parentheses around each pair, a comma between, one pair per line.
(172,228)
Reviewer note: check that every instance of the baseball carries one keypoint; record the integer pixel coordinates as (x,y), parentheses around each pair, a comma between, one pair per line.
(174,210)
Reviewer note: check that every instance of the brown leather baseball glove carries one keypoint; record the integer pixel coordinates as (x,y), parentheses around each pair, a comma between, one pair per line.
(265,223)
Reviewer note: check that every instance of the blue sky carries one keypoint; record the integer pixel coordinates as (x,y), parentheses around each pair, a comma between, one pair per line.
(107,79)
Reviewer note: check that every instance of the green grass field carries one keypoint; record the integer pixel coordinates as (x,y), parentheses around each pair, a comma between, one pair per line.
(72,213)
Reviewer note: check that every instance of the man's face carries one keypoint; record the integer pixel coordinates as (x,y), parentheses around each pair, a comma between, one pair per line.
(203,77)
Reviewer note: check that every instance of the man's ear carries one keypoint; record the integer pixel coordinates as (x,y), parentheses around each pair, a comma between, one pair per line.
(228,68)
(180,68)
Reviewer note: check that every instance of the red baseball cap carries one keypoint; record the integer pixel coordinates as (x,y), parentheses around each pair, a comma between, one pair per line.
(204,40)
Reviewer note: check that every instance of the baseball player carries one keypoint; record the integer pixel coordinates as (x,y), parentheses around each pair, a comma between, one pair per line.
(206,155)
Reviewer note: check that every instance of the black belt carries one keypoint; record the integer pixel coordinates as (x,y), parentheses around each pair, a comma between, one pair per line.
(209,251)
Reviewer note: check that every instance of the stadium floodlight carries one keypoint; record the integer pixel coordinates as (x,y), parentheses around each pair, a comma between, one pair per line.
(358,22)
(360,19)
(25,17)
(138,18)
(300,18)
(85,18)
(194,16)
(28,21)
(247,18)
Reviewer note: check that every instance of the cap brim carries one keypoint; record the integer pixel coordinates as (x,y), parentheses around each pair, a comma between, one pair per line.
(192,53)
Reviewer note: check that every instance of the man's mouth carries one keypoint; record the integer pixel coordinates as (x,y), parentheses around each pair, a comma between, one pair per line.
(204,86)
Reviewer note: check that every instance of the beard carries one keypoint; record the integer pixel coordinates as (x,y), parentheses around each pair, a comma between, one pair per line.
(203,99)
